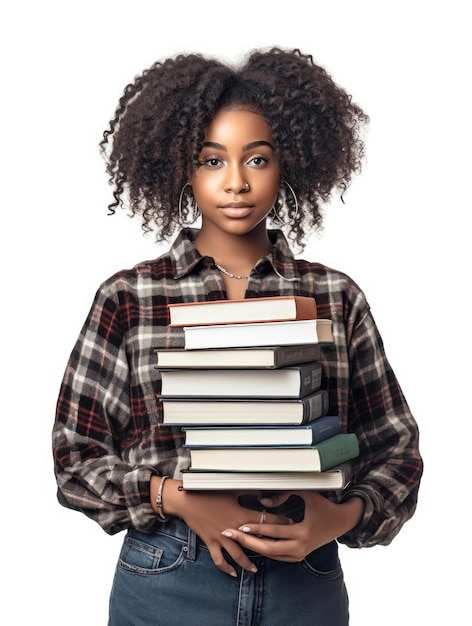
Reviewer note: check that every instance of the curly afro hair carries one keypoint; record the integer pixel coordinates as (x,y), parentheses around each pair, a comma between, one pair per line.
(153,141)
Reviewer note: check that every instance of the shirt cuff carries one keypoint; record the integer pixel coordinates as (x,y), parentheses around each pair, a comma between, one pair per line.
(137,493)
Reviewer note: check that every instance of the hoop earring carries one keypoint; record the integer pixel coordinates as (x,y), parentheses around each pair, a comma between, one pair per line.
(196,211)
(295,215)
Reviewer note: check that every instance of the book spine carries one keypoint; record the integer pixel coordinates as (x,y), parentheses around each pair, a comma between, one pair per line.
(337,450)
(292,355)
(324,428)
(305,308)
(310,378)
(315,406)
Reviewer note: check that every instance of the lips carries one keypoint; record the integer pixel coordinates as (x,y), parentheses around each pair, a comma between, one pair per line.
(236,209)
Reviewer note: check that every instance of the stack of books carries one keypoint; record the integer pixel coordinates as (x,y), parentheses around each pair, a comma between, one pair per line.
(247,391)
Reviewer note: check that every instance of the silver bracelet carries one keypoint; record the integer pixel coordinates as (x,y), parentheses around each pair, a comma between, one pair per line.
(160,511)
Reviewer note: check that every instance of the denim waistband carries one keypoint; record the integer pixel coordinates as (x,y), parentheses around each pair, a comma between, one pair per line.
(178,529)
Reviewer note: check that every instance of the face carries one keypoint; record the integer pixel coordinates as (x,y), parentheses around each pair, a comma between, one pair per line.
(237,180)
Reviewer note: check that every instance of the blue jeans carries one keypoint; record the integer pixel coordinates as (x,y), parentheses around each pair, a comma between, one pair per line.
(168,578)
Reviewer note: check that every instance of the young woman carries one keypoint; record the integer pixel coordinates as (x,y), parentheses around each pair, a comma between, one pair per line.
(268,141)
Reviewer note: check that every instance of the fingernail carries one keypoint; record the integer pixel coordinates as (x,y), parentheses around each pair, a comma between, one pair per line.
(245,529)
(227,533)
(253,570)
(233,574)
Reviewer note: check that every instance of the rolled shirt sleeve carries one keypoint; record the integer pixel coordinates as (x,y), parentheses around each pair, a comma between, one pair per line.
(93,414)
(389,468)
(109,439)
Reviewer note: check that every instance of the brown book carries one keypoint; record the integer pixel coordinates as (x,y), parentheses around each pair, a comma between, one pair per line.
(276,308)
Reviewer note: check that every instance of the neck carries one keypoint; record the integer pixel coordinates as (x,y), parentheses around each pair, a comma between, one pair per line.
(236,253)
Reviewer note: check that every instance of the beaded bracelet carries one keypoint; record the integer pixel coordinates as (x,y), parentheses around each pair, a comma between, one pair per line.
(160,511)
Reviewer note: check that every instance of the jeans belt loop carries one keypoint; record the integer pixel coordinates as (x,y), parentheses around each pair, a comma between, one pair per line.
(192,546)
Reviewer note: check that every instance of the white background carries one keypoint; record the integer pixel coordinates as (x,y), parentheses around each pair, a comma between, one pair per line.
(403,235)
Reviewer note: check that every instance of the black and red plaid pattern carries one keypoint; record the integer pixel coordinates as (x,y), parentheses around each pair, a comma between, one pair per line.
(108,435)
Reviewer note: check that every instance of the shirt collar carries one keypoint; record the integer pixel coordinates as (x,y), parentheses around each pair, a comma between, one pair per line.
(185,257)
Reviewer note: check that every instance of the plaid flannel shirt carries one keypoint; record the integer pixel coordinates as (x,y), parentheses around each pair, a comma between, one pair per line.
(108,437)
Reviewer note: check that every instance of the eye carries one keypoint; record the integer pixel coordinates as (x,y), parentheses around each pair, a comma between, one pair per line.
(258,161)
(211,162)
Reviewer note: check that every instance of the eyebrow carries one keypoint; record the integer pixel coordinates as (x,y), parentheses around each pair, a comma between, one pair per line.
(248,146)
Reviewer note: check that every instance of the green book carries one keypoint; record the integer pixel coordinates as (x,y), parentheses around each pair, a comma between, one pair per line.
(325,455)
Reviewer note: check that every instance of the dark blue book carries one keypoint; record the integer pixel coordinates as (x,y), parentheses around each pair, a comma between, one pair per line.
(307,434)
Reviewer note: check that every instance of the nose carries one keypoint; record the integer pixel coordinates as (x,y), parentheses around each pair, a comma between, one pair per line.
(235,182)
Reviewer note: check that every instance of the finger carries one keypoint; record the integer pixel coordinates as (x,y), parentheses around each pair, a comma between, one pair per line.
(272,518)
(268,529)
(273,499)
(245,533)
(221,563)
(279,549)
(236,553)
(270,503)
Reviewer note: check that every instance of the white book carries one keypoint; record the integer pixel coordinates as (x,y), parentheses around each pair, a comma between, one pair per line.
(225,411)
(296,381)
(258,334)
(252,357)
(336,478)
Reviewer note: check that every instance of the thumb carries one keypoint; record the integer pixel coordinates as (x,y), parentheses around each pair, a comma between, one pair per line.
(270,501)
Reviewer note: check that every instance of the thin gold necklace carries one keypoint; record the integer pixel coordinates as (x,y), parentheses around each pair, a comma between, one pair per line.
(222,269)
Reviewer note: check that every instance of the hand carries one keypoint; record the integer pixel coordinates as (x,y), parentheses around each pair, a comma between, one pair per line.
(323,521)
(208,513)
